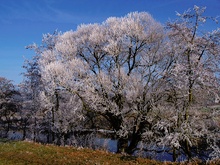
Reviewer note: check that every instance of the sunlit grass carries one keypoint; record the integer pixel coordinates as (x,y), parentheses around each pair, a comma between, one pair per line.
(29,153)
(22,152)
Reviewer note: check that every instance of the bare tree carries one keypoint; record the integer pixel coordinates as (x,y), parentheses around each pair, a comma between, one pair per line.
(9,105)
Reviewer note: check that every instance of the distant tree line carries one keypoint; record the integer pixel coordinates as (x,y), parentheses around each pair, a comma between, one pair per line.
(154,88)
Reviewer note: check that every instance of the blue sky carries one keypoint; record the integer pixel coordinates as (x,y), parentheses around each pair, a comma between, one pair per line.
(23,22)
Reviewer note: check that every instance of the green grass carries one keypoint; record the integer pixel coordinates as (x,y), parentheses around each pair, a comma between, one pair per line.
(29,153)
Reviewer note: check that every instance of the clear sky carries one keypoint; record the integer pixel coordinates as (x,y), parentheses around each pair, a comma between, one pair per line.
(23,22)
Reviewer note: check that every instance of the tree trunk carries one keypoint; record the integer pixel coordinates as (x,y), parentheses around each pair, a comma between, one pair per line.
(7,127)
(187,147)
(24,129)
(188,151)
(135,139)
(133,144)
(35,126)
(136,135)
(52,125)
(24,132)
(122,145)
(174,155)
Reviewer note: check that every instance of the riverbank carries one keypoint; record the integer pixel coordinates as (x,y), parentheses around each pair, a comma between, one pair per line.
(24,152)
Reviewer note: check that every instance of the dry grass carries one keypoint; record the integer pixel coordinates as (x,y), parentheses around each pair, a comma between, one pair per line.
(29,153)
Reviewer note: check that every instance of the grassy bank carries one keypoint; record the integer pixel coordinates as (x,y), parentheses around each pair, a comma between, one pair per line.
(29,153)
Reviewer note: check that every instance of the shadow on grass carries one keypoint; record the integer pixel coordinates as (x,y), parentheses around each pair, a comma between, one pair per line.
(4,140)
(128,158)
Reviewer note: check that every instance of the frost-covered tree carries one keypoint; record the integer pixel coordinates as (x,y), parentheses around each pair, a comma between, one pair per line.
(116,70)
(62,117)
(49,109)
(193,84)
(147,84)
(33,86)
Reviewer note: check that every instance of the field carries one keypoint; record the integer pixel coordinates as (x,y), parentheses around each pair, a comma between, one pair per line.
(29,153)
